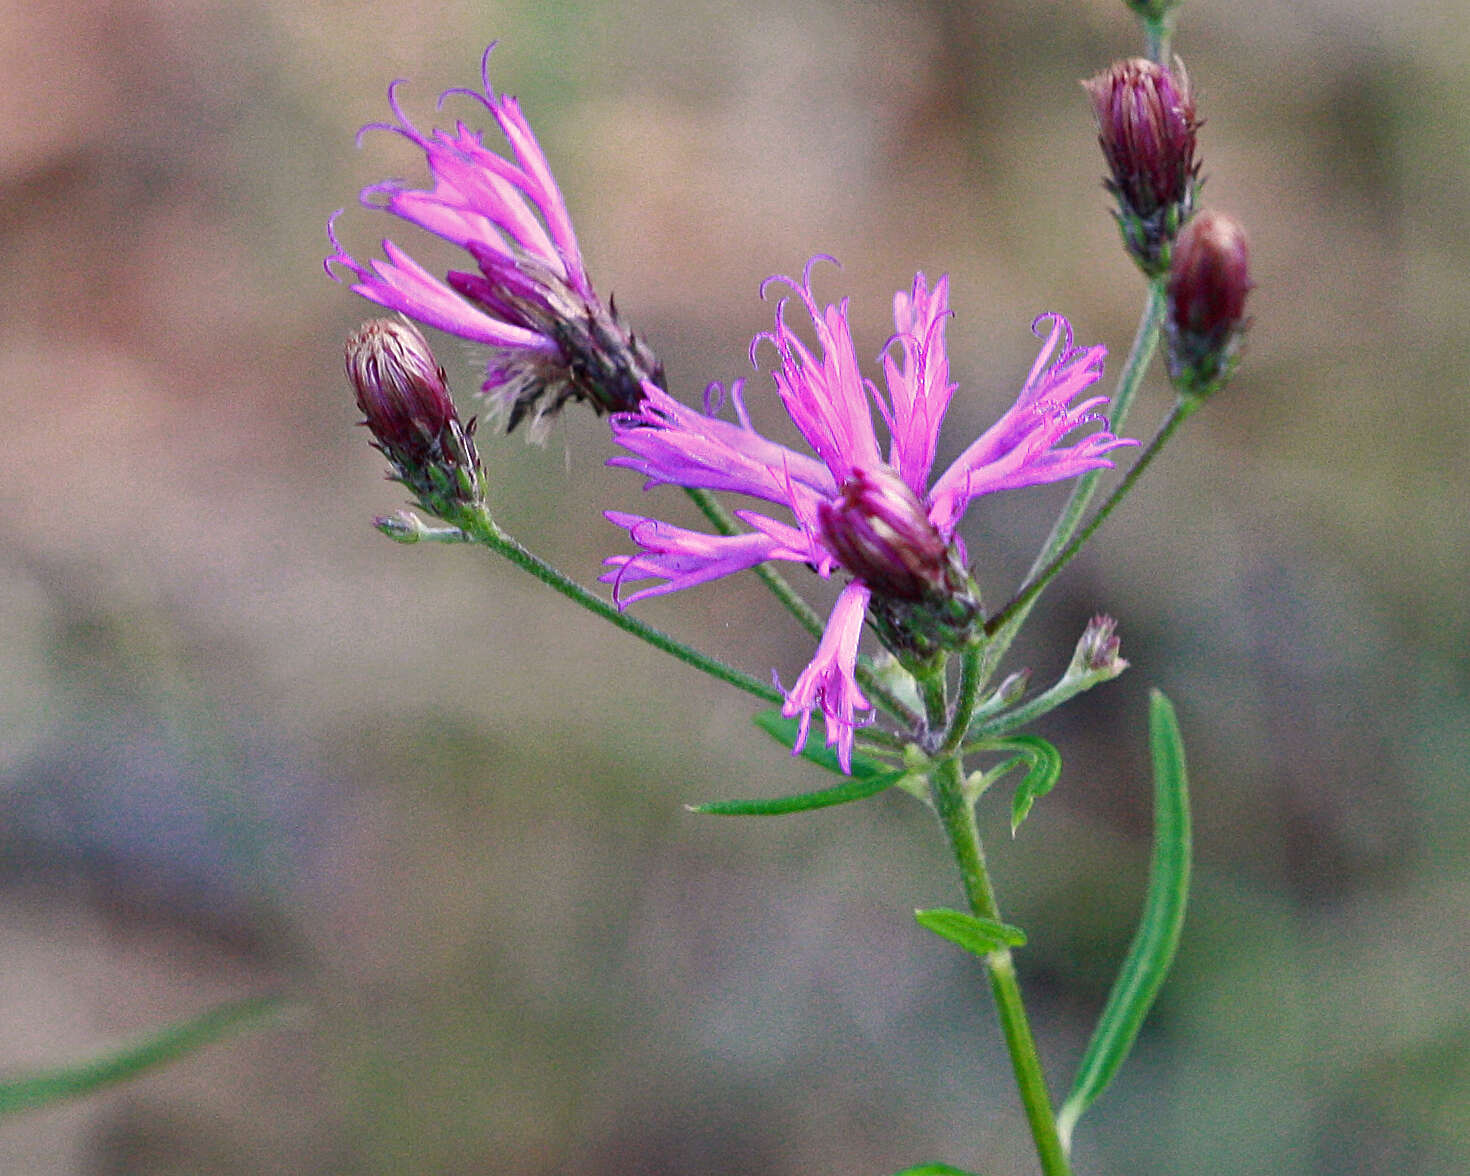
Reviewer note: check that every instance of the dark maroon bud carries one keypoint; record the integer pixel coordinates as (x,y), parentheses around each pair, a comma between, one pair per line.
(1146,127)
(406,406)
(1209,277)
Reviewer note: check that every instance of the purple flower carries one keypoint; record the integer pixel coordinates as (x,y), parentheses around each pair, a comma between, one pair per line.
(880,519)
(530,300)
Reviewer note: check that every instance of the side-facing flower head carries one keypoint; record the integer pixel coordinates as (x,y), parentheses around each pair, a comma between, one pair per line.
(530,301)
(1146,127)
(1205,321)
(406,406)
(879,518)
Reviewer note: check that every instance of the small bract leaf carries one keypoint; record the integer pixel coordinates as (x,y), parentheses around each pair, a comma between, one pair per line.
(1041,777)
(166,1045)
(1157,937)
(935,1170)
(974,934)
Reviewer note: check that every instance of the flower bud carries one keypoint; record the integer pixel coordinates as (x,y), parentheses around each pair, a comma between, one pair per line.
(405,403)
(1146,127)
(1209,277)
(1097,654)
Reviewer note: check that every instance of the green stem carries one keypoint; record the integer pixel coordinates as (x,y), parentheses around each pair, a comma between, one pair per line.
(971,679)
(1183,409)
(1140,355)
(958,818)
(1067,688)
(1158,33)
(792,601)
(480,528)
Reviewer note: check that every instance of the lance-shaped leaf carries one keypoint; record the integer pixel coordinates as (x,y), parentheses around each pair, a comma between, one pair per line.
(935,1170)
(1157,937)
(981,936)
(869,777)
(167,1045)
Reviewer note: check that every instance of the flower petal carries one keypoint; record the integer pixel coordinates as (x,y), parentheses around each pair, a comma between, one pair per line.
(919,390)
(824,391)
(671,443)
(683,558)
(829,681)
(1022,448)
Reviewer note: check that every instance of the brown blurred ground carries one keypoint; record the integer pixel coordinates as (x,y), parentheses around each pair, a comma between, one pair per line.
(244,742)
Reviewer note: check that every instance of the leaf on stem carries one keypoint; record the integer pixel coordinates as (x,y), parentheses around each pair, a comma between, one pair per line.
(1041,777)
(974,934)
(166,1045)
(855,788)
(935,1170)
(869,777)
(1157,938)
(785,732)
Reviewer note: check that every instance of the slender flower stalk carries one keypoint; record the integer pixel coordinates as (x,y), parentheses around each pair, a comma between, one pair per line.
(1004,626)
(529,299)
(878,518)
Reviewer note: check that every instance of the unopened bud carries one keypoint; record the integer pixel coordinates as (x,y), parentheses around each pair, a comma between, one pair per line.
(1013,688)
(1209,278)
(405,403)
(1098,651)
(1146,127)
(401,527)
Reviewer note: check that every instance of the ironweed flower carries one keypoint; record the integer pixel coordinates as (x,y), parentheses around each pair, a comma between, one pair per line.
(1146,127)
(551,340)
(878,518)
(406,405)
(1205,318)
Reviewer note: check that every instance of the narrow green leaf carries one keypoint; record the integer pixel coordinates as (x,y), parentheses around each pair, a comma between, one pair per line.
(935,1170)
(1045,770)
(981,936)
(1157,937)
(869,777)
(166,1045)
(852,788)
(784,731)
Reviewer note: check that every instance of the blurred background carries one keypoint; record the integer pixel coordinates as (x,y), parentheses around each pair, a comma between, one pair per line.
(246,743)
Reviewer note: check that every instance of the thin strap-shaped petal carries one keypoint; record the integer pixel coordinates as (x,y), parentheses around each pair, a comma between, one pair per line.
(1021,449)
(918,384)
(682,558)
(668,442)
(829,682)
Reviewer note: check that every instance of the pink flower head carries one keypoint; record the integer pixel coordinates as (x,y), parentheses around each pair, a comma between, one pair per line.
(877,517)
(530,300)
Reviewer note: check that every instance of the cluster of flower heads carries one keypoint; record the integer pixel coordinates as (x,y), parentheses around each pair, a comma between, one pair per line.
(1147,125)
(876,516)
(531,302)
(873,513)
